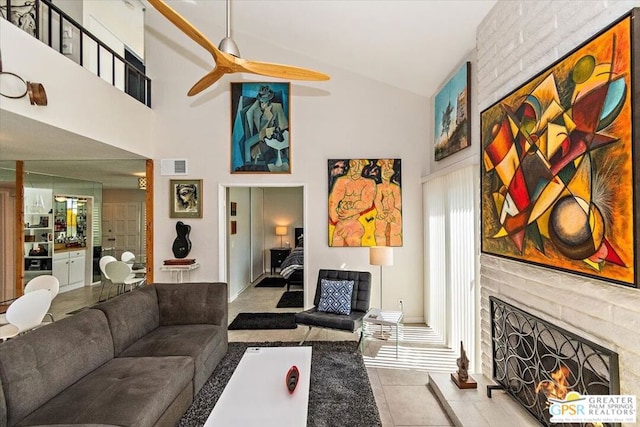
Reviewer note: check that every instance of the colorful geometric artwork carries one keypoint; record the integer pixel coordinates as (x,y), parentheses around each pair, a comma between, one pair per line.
(558,164)
(260,140)
(452,105)
(365,202)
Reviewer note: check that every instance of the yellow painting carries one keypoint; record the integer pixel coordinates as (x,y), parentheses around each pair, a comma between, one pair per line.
(365,202)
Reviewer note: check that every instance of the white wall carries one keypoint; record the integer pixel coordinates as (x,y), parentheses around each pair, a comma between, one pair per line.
(282,206)
(516,41)
(239,244)
(77,101)
(346,117)
(257,231)
(123,19)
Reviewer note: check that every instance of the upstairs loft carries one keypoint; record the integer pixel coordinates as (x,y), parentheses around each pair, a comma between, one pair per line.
(110,44)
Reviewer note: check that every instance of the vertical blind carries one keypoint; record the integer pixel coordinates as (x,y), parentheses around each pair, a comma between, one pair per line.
(451,256)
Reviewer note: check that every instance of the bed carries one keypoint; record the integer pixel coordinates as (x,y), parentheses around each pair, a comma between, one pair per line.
(292,268)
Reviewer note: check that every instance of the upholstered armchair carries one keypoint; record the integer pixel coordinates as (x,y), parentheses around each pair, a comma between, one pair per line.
(320,318)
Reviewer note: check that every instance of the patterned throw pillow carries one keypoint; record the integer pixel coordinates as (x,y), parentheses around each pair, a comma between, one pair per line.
(335,296)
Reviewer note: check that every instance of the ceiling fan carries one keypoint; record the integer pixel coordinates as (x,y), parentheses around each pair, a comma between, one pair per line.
(227,56)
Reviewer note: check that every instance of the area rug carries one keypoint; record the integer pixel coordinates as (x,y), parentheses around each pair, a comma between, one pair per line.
(340,393)
(291,299)
(272,282)
(264,321)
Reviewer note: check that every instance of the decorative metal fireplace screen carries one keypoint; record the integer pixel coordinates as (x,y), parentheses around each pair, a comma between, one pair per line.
(534,360)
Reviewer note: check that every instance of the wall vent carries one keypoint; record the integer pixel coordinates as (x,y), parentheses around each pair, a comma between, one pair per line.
(173,167)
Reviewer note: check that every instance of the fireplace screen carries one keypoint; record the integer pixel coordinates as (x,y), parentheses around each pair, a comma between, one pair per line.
(534,361)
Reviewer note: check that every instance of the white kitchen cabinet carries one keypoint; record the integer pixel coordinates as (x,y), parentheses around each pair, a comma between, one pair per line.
(69,268)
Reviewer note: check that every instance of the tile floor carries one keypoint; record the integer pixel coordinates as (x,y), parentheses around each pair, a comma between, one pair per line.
(399,385)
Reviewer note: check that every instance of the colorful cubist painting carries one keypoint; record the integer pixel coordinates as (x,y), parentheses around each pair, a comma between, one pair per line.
(452,105)
(558,164)
(260,135)
(365,202)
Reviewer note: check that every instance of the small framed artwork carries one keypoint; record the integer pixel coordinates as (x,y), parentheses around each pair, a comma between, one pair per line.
(234,227)
(186,198)
(452,107)
(260,134)
(234,208)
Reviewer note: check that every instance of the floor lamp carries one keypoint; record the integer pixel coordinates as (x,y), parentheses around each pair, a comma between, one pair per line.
(380,255)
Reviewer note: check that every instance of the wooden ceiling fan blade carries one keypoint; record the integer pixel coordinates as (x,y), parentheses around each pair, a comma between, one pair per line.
(209,79)
(280,70)
(186,27)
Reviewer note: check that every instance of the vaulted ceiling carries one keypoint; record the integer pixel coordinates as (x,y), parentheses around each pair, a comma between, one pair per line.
(413,45)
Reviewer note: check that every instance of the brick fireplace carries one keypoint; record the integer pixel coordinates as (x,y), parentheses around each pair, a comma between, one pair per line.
(514,42)
(535,361)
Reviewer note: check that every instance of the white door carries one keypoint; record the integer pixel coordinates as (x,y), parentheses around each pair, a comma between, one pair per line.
(121,228)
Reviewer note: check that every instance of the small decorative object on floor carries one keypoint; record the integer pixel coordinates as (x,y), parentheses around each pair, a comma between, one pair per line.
(462,378)
(292,378)
(182,244)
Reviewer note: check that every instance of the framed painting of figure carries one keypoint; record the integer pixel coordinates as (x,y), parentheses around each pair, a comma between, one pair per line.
(452,105)
(260,133)
(558,186)
(186,198)
(365,202)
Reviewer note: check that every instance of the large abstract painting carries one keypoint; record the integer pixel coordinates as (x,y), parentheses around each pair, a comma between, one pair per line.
(558,164)
(452,105)
(260,140)
(365,202)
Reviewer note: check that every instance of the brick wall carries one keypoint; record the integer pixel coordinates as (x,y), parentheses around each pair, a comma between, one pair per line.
(515,41)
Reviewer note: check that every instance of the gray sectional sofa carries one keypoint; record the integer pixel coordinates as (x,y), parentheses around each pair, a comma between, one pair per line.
(136,360)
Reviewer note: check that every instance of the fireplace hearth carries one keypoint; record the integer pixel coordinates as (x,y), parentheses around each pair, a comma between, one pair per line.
(534,361)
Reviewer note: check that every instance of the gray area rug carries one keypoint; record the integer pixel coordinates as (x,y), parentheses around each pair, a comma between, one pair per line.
(340,393)
(264,321)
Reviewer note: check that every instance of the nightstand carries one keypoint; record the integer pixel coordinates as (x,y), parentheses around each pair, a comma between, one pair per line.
(277,256)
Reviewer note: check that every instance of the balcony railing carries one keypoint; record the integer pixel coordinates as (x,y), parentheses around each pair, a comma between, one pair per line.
(52,26)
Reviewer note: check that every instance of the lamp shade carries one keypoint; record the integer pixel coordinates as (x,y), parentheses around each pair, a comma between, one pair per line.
(281,230)
(381,255)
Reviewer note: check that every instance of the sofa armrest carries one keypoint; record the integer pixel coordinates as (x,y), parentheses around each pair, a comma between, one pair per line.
(192,303)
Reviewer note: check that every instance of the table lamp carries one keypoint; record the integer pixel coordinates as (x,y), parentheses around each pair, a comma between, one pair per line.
(281,230)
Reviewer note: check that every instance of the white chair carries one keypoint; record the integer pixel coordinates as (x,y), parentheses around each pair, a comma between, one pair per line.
(120,275)
(47,282)
(26,313)
(105,278)
(127,257)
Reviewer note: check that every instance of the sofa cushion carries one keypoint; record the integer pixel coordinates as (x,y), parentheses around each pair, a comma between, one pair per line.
(131,316)
(206,344)
(38,365)
(124,392)
(192,303)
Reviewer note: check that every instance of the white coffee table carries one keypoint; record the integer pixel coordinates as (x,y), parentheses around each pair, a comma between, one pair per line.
(256,394)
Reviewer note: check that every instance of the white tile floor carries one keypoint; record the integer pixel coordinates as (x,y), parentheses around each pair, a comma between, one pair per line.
(400,385)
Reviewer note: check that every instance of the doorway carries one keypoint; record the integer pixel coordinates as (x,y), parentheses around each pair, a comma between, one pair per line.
(248,217)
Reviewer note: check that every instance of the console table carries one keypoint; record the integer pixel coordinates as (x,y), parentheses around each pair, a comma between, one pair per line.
(179,270)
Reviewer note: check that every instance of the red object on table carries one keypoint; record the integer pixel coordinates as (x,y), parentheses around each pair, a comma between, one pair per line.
(292,378)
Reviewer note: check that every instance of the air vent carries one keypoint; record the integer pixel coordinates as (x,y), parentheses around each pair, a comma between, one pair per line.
(173,167)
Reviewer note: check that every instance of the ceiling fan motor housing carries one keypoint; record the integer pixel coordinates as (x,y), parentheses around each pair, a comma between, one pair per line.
(227,45)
